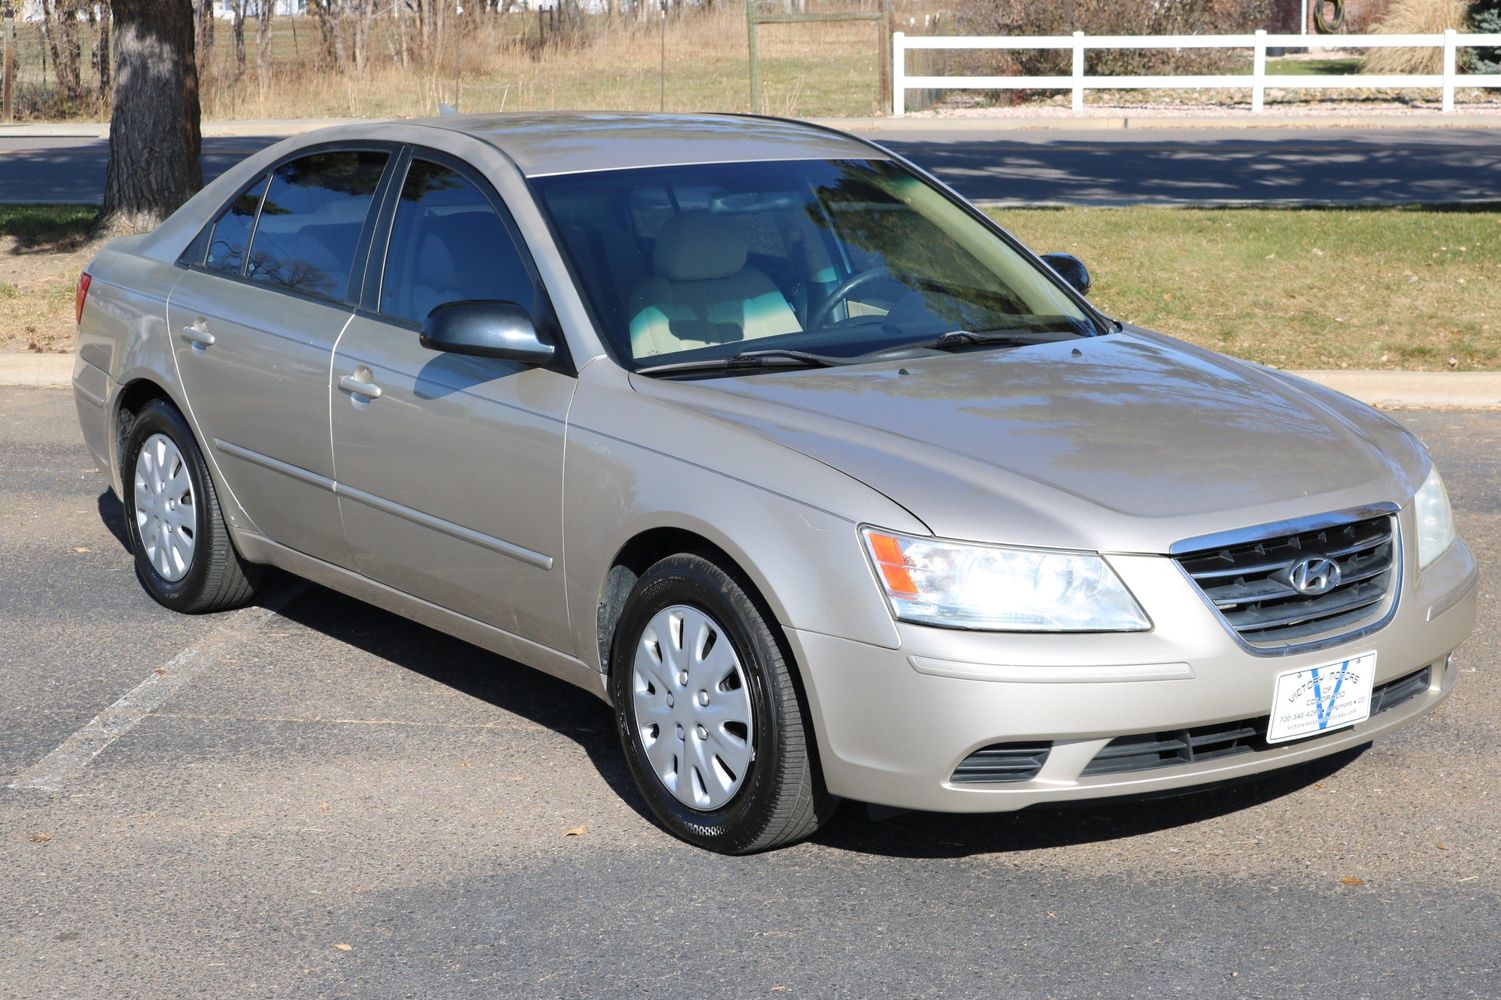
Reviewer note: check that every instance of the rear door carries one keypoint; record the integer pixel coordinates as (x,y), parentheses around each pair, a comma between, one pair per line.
(254,321)
(451,467)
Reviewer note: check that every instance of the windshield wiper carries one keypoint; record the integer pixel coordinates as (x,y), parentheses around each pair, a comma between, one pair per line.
(954,339)
(771,357)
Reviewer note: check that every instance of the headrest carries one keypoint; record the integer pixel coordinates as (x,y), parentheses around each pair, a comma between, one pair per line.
(697,246)
(434,262)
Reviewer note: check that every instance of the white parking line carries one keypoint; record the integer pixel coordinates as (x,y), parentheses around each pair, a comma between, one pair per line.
(66,762)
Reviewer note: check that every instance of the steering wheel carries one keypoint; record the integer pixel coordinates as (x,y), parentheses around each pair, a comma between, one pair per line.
(846,288)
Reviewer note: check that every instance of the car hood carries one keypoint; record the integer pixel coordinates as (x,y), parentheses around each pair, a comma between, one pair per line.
(1126,442)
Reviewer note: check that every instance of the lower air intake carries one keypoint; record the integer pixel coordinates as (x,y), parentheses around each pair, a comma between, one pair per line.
(1002,762)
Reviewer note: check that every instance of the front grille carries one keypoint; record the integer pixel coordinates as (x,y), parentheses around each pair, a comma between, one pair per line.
(1250,583)
(1146,751)
(1002,762)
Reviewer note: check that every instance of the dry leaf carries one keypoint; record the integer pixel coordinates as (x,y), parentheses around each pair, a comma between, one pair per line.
(577,831)
(79,549)
(344,947)
(1351,880)
(40,838)
(779,988)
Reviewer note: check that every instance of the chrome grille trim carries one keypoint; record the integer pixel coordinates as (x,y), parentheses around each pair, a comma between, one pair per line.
(1240,575)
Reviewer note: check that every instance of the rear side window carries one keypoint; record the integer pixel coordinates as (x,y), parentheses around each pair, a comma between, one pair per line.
(448,244)
(231,235)
(311,220)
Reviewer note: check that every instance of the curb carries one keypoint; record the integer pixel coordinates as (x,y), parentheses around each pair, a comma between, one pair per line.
(39,370)
(1415,390)
(1386,390)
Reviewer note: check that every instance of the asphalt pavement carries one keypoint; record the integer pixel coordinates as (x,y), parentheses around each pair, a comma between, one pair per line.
(327,800)
(991,162)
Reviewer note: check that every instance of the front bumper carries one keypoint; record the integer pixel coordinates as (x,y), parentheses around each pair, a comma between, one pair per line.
(893,725)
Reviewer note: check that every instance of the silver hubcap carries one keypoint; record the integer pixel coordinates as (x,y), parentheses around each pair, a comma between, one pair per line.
(693,710)
(166,516)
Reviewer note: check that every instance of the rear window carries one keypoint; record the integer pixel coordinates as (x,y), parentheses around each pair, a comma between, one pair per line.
(311,220)
(231,235)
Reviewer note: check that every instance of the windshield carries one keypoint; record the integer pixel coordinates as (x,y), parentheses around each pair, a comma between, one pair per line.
(842,258)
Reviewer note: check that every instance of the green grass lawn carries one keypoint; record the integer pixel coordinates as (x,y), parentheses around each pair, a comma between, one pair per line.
(1325,288)
(1312,67)
(46,223)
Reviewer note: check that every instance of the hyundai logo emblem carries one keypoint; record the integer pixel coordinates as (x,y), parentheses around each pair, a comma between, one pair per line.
(1314,576)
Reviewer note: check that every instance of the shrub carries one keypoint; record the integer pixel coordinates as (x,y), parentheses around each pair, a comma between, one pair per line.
(1485,17)
(1417,17)
(1110,17)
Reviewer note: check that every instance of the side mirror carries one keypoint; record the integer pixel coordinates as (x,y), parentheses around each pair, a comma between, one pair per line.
(1071,269)
(487,330)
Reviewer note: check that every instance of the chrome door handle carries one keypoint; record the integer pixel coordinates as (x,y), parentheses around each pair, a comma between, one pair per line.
(196,334)
(358,386)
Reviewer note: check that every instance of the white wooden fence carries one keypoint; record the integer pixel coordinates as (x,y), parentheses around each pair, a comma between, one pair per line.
(1079,43)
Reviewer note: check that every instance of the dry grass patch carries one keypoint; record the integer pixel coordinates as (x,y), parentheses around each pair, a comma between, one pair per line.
(1325,288)
(817,69)
(42,249)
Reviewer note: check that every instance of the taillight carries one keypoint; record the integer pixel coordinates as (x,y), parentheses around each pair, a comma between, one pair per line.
(80,295)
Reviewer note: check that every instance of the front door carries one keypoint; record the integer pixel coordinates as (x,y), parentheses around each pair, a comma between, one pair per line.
(254,322)
(450,468)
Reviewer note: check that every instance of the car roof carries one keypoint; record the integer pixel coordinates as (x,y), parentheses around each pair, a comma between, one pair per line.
(560,142)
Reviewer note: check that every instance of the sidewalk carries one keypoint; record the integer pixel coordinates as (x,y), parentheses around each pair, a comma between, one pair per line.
(1388,390)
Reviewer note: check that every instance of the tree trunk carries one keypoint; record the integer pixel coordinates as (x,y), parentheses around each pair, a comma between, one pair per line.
(102,58)
(324,16)
(154,138)
(263,43)
(237,8)
(62,39)
(203,32)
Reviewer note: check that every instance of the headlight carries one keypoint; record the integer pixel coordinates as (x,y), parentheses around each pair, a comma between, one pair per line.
(933,581)
(1435,519)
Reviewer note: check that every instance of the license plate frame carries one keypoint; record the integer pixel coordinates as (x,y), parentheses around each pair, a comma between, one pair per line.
(1321,698)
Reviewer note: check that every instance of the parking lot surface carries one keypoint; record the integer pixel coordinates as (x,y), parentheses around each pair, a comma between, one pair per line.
(316,798)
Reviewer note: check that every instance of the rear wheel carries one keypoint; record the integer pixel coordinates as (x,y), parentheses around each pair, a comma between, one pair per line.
(708,713)
(184,557)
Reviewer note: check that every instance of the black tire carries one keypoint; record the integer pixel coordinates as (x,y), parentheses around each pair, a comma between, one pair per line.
(217,579)
(1328,23)
(781,798)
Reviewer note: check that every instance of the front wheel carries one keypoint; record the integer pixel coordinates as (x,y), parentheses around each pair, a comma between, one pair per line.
(709,715)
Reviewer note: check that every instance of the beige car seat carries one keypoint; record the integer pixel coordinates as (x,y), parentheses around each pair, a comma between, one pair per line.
(701,293)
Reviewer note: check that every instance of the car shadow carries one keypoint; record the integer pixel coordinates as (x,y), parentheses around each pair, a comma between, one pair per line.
(507,685)
(568,711)
(947,835)
(112,514)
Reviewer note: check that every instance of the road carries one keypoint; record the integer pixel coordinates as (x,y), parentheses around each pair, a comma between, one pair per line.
(339,803)
(1150,166)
